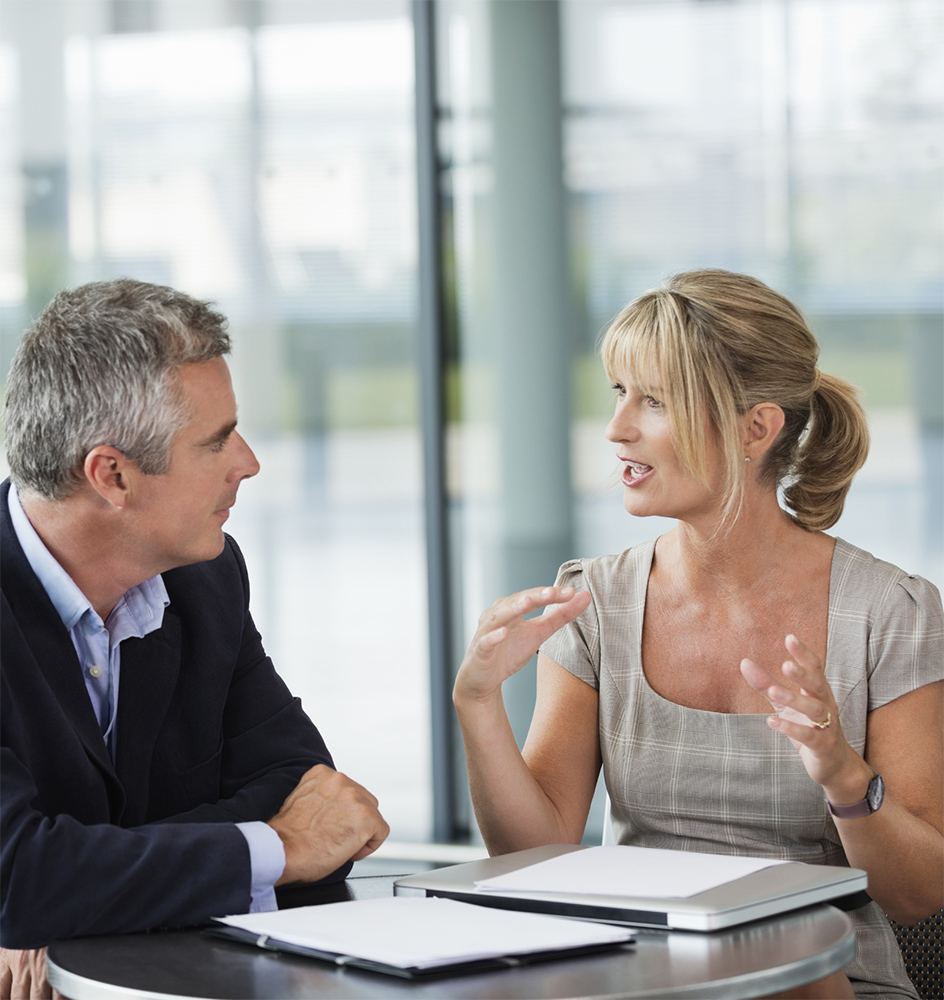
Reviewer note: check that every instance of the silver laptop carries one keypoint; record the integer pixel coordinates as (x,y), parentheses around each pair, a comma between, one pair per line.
(762,894)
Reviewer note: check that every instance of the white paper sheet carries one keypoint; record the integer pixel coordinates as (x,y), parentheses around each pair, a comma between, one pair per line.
(423,932)
(619,870)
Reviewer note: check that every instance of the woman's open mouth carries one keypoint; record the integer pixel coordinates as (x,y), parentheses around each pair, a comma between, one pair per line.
(635,472)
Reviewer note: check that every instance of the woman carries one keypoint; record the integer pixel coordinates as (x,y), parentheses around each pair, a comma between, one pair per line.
(662,663)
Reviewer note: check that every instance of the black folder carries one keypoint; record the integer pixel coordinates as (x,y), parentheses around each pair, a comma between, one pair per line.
(423,973)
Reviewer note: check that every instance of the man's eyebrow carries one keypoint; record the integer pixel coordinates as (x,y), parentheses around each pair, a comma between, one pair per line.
(221,435)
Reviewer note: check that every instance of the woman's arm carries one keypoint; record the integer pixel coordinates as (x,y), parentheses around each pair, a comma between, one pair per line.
(901,846)
(543,796)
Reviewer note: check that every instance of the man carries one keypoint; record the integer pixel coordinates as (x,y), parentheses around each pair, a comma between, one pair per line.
(155,769)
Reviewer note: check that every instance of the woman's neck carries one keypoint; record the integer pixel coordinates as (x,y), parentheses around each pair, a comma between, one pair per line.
(762,540)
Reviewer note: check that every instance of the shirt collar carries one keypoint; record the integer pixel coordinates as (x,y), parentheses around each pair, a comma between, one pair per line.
(145,603)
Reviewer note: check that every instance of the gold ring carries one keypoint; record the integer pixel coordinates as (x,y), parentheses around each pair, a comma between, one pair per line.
(826,724)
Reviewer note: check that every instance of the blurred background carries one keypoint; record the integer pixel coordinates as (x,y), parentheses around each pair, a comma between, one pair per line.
(419,217)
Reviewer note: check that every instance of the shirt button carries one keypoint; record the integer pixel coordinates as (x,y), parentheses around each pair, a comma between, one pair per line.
(95,671)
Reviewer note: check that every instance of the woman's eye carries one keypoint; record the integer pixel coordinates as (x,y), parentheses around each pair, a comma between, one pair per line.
(652,402)
(618,389)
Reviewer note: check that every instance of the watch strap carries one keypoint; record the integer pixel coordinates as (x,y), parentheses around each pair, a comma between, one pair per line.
(874,797)
(851,811)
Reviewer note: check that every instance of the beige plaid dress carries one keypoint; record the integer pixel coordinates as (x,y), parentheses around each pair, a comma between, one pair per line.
(687,779)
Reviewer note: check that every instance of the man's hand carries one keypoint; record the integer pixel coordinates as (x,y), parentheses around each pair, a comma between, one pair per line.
(23,975)
(327,820)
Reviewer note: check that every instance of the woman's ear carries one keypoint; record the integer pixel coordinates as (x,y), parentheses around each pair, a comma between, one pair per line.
(761,425)
(109,473)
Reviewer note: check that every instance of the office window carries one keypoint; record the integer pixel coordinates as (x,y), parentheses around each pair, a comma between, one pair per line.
(796,140)
(799,141)
(262,155)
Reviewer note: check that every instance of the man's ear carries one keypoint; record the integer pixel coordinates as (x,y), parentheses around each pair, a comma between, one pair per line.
(109,473)
(761,425)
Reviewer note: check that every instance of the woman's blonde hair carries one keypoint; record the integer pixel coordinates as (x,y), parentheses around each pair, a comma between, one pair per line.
(719,343)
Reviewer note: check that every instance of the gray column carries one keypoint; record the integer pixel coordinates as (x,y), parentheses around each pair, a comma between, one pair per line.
(259,359)
(534,329)
(38,32)
(927,366)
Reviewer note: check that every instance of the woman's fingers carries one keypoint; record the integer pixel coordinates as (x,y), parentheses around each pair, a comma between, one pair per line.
(506,617)
(565,610)
(758,678)
(506,640)
(507,609)
(485,644)
(807,714)
(815,700)
(813,704)
(805,669)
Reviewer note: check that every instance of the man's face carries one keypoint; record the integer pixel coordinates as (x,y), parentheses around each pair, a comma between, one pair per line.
(180,514)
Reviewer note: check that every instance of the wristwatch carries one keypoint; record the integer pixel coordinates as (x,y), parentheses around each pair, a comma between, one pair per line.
(874,796)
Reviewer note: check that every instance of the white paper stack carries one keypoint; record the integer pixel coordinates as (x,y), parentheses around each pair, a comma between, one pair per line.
(620,870)
(421,933)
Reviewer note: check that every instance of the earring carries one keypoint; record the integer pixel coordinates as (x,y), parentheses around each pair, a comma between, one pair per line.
(747,458)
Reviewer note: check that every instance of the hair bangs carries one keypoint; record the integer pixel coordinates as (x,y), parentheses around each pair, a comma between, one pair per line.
(632,346)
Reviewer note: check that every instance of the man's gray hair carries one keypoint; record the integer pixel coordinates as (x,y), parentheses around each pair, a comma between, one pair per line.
(100,366)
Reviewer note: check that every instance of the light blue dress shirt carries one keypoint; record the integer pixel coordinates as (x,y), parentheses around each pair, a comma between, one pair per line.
(97,644)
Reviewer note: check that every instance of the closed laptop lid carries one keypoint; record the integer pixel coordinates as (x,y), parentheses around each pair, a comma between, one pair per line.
(762,894)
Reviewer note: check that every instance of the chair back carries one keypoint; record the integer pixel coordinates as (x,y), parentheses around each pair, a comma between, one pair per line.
(922,947)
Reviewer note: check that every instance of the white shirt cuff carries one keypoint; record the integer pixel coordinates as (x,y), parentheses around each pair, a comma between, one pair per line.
(267,862)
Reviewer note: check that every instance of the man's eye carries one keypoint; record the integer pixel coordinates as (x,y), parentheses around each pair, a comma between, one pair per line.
(219,446)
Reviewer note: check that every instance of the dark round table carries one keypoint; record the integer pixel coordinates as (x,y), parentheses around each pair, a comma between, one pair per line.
(762,957)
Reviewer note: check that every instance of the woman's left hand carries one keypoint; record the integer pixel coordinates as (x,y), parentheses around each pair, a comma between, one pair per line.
(810,716)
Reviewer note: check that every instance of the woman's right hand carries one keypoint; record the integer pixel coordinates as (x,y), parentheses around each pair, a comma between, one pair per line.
(505,640)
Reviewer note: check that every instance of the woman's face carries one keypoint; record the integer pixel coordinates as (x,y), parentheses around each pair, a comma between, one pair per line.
(655,483)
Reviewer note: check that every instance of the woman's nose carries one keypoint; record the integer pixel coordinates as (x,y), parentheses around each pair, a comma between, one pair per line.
(621,428)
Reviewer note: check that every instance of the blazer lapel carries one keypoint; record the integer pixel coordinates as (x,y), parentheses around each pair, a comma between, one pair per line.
(149,669)
(50,645)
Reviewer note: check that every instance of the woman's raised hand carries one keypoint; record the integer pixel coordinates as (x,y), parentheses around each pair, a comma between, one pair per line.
(810,716)
(505,640)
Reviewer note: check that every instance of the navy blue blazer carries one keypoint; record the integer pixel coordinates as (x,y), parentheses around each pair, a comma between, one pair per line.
(207,735)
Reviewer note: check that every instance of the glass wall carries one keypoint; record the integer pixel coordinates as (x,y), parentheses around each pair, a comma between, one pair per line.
(796,140)
(261,155)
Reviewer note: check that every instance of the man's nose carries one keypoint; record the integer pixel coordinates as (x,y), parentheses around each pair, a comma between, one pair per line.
(248,465)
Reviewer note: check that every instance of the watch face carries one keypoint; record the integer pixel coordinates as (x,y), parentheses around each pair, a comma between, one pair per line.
(876,793)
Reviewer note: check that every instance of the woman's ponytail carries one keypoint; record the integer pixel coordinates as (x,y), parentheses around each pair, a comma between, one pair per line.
(832,450)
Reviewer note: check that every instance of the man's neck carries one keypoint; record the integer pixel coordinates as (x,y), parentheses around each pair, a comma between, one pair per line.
(80,534)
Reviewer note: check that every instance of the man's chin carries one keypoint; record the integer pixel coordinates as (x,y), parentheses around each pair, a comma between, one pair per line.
(218,546)
(206,552)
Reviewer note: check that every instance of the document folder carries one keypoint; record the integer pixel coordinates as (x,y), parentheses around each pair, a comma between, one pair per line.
(419,938)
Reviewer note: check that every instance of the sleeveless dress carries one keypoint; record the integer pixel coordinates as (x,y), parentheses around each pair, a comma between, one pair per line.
(687,779)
